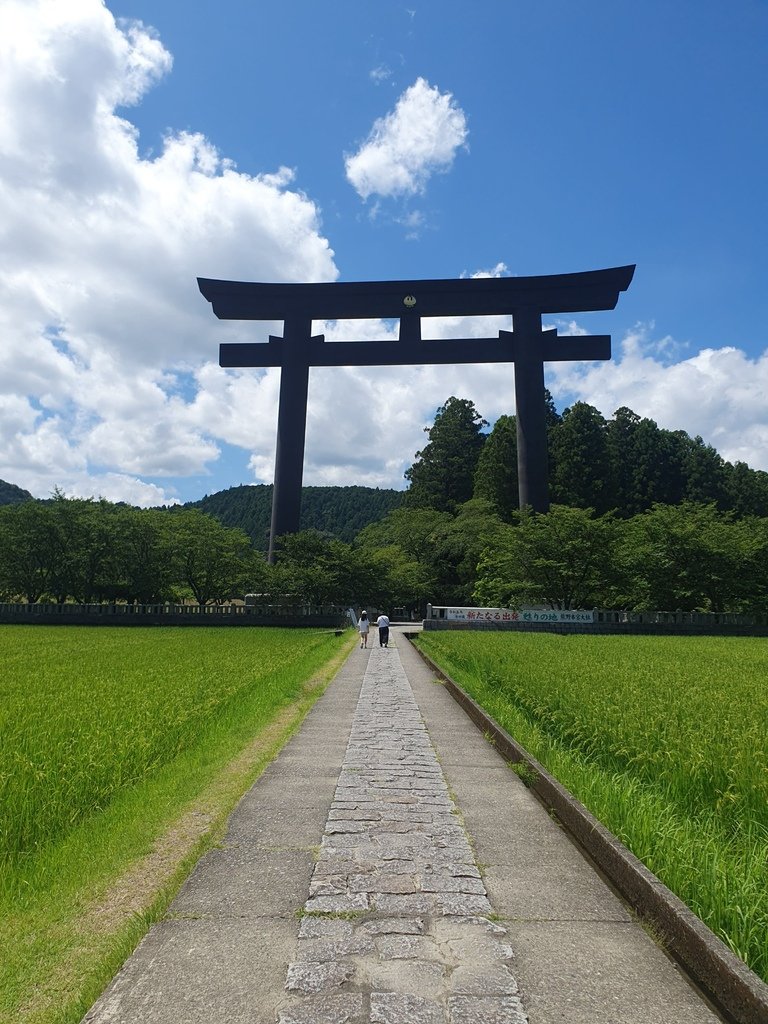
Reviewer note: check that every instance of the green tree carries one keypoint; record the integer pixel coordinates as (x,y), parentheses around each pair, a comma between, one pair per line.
(691,557)
(320,570)
(563,559)
(747,489)
(458,546)
(24,546)
(398,581)
(551,415)
(99,563)
(402,549)
(436,550)
(646,463)
(216,563)
(620,434)
(704,472)
(442,476)
(496,473)
(147,566)
(81,545)
(413,530)
(581,465)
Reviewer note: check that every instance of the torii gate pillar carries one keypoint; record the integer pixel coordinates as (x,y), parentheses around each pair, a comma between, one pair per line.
(527,346)
(291,431)
(531,417)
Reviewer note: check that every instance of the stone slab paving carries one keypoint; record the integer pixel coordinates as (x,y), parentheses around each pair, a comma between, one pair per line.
(397,928)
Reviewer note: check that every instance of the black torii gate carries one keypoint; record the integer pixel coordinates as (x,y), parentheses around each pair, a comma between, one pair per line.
(527,346)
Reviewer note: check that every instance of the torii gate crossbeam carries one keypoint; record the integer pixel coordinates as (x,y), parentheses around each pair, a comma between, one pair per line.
(527,346)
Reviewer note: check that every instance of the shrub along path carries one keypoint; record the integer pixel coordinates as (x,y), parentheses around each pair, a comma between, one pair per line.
(389,867)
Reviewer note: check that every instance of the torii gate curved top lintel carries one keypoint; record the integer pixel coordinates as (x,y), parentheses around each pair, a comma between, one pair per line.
(527,346)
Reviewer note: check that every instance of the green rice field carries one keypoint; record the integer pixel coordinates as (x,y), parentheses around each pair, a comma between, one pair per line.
(108,738)
(664,739)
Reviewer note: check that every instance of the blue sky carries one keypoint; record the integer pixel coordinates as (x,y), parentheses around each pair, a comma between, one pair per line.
(149,143)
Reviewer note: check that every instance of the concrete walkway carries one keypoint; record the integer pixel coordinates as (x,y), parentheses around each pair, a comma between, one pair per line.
(388,867)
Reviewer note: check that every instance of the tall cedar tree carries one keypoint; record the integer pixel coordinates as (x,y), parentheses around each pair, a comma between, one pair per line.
(442,477)
(747,489)
(581,472)
(496,473)
(646,462)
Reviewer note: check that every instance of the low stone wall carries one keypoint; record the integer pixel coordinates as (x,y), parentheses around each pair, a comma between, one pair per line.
(171,615)
(606,628)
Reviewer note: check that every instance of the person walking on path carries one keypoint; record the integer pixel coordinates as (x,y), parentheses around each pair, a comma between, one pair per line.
(383,623)
(363,626)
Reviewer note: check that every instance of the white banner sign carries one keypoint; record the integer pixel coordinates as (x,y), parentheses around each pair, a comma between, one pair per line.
(518,615)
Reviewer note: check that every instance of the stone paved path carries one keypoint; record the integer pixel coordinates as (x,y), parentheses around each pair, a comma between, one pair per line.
(396,927)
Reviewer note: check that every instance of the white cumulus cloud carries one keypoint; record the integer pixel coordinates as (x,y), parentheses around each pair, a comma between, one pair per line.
(99,251)
(718,393)
(415,140)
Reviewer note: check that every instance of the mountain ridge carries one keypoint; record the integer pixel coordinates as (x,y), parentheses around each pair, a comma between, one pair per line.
(338,510)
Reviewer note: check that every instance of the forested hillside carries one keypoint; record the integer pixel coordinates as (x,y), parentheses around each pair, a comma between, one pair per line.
(10,494)
(340,511)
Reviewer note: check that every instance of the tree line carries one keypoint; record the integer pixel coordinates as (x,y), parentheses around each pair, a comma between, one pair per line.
(642,518)
(686,557)
(624,465)
(83,550)
(93,551)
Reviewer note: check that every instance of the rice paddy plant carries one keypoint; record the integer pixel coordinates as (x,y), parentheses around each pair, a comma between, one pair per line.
(122,752)
(665,739)
(88,713)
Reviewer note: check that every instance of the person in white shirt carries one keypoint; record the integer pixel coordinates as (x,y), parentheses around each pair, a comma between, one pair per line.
(363,626)
(383,623)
